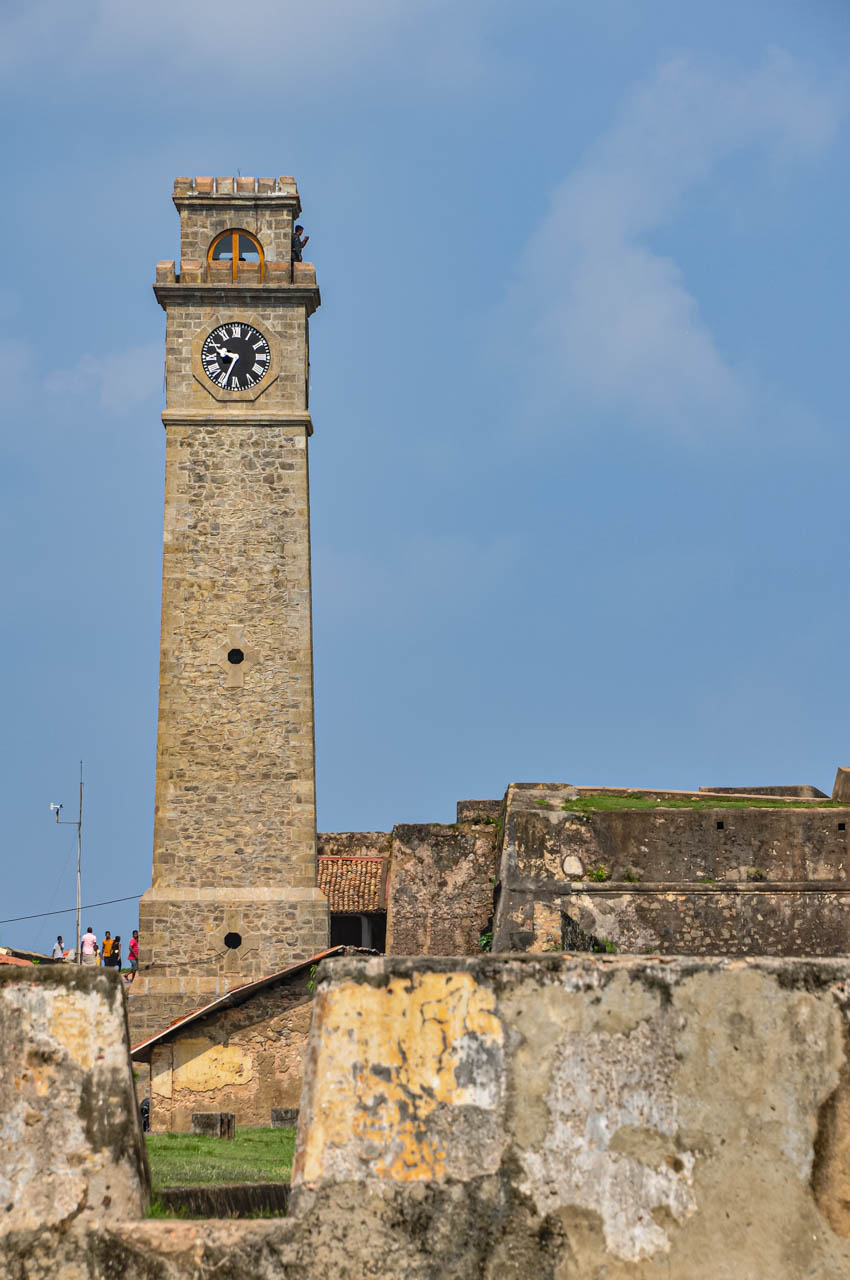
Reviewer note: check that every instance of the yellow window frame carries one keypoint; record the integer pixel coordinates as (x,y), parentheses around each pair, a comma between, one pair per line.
(234,234)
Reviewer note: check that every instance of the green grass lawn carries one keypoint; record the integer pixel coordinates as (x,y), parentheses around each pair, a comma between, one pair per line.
(254,1155)
(588,804)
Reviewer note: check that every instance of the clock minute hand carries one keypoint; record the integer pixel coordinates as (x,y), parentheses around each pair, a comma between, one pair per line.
(234,356)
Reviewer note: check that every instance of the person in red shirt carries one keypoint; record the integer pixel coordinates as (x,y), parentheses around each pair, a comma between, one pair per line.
(133,953)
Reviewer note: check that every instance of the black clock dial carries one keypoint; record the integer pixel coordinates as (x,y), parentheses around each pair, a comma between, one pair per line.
(236,356)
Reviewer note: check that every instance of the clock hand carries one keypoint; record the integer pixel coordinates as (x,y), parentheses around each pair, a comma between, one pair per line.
(234,356)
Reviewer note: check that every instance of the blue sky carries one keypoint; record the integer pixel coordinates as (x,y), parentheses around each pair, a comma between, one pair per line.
(579,386)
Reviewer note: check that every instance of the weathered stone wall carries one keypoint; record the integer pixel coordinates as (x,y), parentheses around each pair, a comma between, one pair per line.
(543,1116)
(73,1153)
(479,810)
(354,844)
(440,892)
(674,881)
(580,1118)
(802,790)
(244,1060)
(745,920)
(678,845)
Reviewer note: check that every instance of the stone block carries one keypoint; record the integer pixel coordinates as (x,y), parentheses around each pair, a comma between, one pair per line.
(284,1117)
(73,1151)
(841,788)
(245,185)
(165,273)
(191,270)
(204,186)
(214,1124)
(182,186)
(278,272)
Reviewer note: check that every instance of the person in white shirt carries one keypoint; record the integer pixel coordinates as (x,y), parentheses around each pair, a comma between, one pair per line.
(88,947)
(59,949)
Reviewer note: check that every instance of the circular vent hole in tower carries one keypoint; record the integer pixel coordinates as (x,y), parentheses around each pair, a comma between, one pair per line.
(232,941)
(236,656)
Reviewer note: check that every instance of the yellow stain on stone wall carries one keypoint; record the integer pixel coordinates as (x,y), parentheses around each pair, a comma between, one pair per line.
(200,1065)
(392,1058)
(71,1024)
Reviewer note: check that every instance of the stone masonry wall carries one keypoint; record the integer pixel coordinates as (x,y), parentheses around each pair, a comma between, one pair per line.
(235,771)
(747,920)
(245,1060)
(191,964)
(677,845)
(209,209)
(499,1118)
(743,881)
(282,320)
(440,892)
(353,844)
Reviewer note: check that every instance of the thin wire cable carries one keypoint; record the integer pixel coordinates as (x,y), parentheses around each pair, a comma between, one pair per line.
(88,906)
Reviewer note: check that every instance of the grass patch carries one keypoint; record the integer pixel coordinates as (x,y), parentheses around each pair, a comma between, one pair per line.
(590,804)
(188,1159)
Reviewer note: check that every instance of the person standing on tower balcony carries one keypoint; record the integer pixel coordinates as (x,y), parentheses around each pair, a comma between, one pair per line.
(298,243)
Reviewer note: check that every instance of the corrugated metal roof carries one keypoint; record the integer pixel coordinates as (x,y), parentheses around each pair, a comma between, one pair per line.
(234,997)
(353,883)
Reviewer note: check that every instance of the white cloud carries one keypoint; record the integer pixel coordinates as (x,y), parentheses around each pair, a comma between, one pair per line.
(616,327)
(116,383)
(272,43)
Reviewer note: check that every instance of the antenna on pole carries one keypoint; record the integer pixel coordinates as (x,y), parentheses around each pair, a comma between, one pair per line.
(69,822)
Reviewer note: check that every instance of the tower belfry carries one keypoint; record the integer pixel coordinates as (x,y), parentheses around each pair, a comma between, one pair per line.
(234,892)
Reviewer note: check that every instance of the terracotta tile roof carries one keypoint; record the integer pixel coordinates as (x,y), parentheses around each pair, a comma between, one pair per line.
(352,883)
(12,960)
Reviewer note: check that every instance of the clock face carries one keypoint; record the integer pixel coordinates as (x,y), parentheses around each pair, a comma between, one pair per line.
(235,357)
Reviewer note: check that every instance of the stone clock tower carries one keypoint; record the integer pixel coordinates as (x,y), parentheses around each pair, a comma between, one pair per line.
(234,892)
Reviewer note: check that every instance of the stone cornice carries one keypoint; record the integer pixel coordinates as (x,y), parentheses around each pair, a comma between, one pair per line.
(241,295)
(233,417)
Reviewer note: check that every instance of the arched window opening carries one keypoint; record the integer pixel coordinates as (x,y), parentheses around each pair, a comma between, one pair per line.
(235,247)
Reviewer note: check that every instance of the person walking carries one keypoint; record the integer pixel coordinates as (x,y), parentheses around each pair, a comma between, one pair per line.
(88,947)
(116,951)
(59,949)
(106,949)
(133,954)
